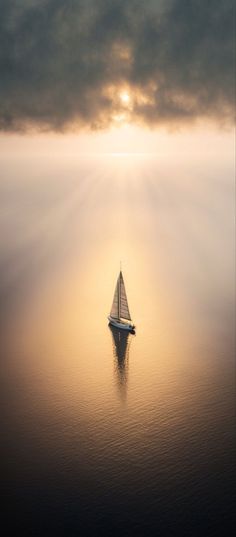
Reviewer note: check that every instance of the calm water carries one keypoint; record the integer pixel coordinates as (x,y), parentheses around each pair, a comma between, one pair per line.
(111,434)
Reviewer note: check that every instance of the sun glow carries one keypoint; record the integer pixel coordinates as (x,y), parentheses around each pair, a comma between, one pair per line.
(125,97)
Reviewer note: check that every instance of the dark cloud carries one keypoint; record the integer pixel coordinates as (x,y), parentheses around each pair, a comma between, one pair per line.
(65,62)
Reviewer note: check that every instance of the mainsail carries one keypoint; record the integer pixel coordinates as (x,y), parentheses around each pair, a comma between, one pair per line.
(124,308)
(120,308)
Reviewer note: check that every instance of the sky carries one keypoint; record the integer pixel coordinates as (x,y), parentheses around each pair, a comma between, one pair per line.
(66,66)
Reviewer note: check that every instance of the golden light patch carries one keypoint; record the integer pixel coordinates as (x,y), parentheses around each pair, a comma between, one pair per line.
(125,97)
(119,118)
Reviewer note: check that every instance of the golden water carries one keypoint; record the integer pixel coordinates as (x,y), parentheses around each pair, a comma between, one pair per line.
(131,434)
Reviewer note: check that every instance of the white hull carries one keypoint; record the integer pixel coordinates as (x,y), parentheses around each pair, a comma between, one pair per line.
(121,325)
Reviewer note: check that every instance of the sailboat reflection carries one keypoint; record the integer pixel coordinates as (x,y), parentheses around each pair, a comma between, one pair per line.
(121,343)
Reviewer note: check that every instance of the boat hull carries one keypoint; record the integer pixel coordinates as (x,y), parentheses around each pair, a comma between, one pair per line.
(121,325)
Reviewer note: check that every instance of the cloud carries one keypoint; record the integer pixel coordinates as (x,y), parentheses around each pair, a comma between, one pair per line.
(65,63)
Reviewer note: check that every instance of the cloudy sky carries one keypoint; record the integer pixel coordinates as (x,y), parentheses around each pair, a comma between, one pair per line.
(66,64)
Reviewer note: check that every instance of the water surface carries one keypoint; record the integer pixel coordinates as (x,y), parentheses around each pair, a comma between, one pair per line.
(109,433)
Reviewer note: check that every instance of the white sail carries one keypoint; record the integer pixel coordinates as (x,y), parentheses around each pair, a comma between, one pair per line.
(124,308)
(120,308)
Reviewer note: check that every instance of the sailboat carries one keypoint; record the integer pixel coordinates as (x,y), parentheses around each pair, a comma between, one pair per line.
(119,314)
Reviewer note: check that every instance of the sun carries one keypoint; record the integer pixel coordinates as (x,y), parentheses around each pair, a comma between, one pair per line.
(125,97)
